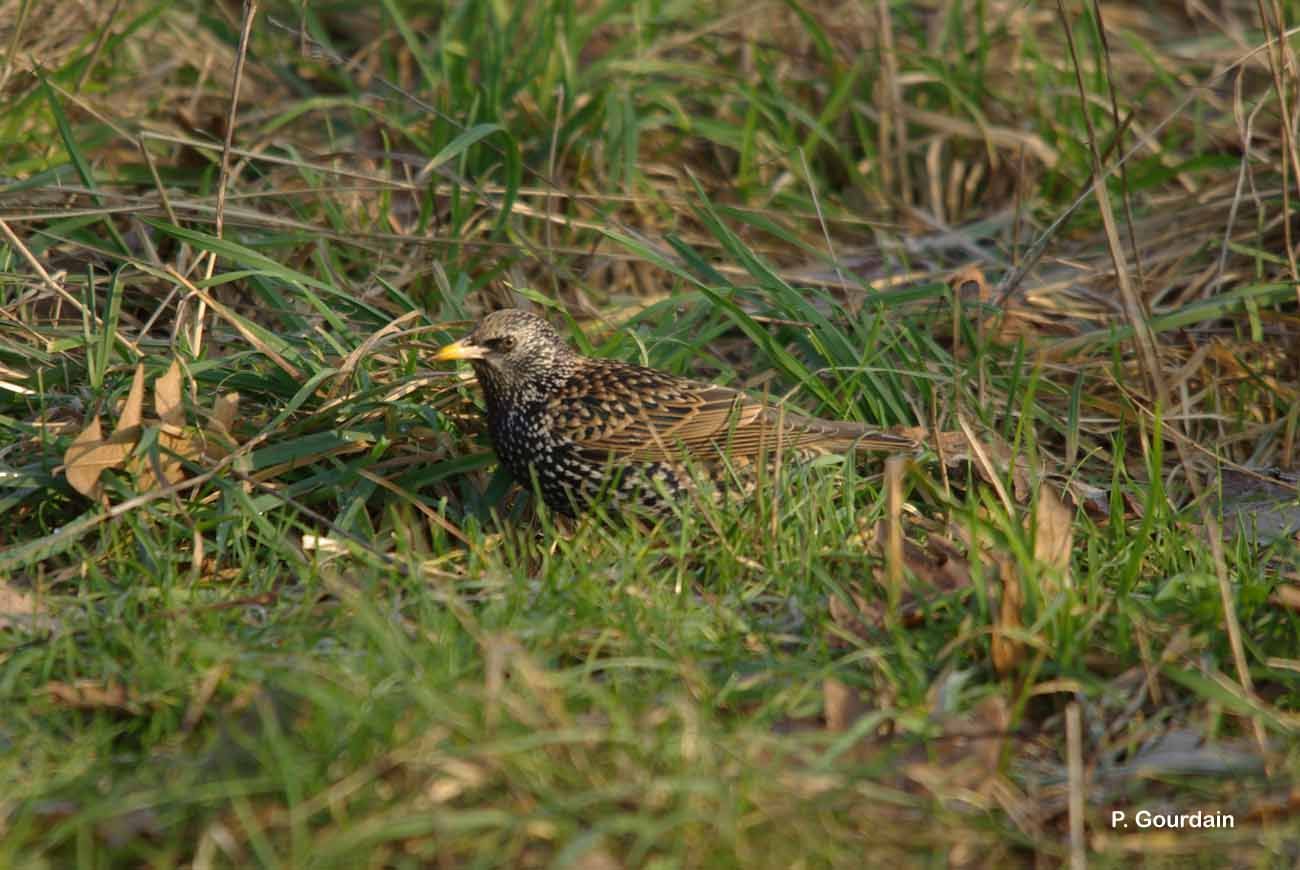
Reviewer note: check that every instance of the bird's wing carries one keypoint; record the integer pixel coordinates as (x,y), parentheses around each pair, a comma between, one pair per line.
(648,415)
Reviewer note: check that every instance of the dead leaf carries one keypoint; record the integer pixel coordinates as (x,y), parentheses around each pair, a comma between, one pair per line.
(989,459)
(173,446)
(965,757)
(454,778)
(19,609)
(90,454)
(842,705)
(859,620)
(224,411)
(1093,499)
(939,565)
(970,286)
(81,466)
(132,410)
(167,396)
(174,443)
(92,695)
(947,444)
(1053,539)
(218,439)
(969,282)
(1287,596)
(596,857)
(1007,651)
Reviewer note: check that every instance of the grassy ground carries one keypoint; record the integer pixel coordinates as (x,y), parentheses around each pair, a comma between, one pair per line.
(280,608)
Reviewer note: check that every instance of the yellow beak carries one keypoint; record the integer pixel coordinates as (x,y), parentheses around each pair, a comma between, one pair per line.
(459,350)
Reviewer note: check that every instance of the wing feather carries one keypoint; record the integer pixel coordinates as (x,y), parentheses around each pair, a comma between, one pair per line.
(612,407)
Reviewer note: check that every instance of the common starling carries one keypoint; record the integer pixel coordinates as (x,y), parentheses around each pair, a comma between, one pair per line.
(589,428)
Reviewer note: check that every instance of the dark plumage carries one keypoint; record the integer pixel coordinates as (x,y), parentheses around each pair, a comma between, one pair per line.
(587,428)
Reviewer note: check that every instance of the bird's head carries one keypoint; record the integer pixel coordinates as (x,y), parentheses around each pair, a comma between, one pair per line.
(514,352)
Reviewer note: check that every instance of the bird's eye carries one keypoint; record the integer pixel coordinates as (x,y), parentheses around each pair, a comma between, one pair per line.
(505,344)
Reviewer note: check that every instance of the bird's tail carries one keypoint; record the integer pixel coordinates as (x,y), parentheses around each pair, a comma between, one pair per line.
(858,436)
(842,436)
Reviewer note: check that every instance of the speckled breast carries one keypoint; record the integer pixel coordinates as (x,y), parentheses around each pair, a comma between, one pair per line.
(570,478)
